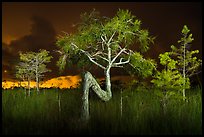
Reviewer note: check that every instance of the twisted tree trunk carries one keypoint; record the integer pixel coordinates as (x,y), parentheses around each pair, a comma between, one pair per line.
(90,82)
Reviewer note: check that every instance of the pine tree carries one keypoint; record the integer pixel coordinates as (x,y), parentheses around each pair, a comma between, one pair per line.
(188,65)
(33,63)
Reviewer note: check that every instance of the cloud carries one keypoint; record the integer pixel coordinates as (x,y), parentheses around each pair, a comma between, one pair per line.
(7,56)
(42,36)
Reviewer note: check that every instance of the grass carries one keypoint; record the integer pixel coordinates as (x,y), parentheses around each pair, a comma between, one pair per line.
(142,113)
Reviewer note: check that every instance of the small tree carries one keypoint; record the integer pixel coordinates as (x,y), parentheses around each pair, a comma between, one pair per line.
(41,58)
(106,43)
(179,64)
(24,71)
(35,63)
(169,80)
(187,64)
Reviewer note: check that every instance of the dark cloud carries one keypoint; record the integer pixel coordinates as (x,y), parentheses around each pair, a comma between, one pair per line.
(42,36)
(7,59)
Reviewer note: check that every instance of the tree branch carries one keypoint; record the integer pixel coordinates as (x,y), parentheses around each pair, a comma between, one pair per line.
(122,62)
(122,50)
(111,37)
(116,66)
(192,68)
(89,56)
(194,74)
(103,58)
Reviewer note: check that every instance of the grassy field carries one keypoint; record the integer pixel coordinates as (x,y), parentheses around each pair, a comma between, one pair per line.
(139,111)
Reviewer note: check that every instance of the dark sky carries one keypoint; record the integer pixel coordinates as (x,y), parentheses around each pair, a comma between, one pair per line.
(33,26)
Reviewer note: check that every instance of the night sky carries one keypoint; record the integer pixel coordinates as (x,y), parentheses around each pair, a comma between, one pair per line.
(34,26)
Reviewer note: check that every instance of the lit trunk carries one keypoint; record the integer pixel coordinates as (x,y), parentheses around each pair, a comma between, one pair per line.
(90,82)
(184,75)
(121,104)
(37,84)
(59,102)
(164,103)
(37,81)
(36,75)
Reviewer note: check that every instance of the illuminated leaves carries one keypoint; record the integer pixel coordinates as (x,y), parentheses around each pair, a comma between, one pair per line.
(167,61)
(144,40)
(24,70)
(187,37)
(185,30)
(188,64)
(32,63)
(96,34)
(142,66)
(170,80)
(179,64)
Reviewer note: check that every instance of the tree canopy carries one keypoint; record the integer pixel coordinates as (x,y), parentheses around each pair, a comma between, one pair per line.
(105,41)
(33,64)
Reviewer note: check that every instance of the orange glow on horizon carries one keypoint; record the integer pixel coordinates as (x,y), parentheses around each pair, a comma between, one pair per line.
(62,82)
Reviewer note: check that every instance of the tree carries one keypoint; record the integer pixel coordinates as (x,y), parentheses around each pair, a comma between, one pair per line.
(104,42)
(179,64)
(24,70)
(34,62)
(40,59)
(169,80)
(187,64)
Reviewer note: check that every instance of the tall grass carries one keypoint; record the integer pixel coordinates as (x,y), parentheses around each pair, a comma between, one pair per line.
(141,113)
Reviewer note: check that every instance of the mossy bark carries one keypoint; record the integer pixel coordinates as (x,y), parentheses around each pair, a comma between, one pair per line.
(90,82)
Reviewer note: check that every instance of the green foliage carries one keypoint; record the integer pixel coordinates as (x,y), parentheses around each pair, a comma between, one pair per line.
(143,67)
(179,64)
(185,30)
(170,80)
(43,56)
(24,68)
(32,64)
(61,62)
(188,64)
(95,34)
(187,38)
(166,60)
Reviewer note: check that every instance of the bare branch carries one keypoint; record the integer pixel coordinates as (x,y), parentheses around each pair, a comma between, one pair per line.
(176,54)
(89,56)
(190,75)
(59,51)
(116,66)
(130,32)
(102,46)
(91,59)
(96,54)
(103,58)
(192,68)
(111,37)
(122,50)
(103,39)
(122,62)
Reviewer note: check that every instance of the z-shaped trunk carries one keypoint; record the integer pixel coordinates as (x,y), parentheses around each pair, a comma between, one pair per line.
(90,82)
